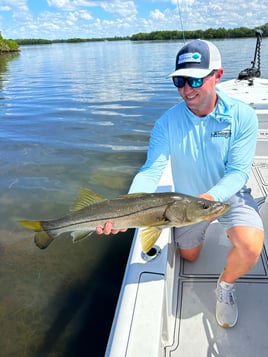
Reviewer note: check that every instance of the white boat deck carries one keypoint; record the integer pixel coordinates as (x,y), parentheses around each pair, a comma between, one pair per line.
(196,332)
(167,305)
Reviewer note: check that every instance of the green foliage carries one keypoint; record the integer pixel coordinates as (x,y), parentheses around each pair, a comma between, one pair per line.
(40,41)
(8,45)
(210,33)
(34,41)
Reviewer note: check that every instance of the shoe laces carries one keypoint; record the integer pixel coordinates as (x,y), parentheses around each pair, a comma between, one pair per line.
(226,296)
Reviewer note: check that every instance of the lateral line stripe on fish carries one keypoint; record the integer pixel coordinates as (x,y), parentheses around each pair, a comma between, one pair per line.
(110,218)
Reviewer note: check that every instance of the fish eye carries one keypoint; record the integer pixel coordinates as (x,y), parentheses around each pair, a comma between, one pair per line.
(204,204)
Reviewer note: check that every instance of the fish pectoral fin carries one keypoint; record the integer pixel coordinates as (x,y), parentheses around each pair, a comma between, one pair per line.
(148,237)
(86,198)
(79,235)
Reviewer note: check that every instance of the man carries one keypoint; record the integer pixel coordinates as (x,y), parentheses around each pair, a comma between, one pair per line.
(210,139)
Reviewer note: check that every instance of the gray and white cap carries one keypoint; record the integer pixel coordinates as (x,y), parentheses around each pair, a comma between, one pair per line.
(197,59)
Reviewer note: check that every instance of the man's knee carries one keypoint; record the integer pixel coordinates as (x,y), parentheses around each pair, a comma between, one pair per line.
(191,254)
(249,241)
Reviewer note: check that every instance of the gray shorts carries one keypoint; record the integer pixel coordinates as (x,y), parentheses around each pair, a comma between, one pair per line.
(243,212)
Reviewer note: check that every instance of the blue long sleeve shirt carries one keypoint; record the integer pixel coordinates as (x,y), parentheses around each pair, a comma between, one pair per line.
(210,154)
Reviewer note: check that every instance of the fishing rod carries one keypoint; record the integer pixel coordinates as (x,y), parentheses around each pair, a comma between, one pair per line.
(179,11)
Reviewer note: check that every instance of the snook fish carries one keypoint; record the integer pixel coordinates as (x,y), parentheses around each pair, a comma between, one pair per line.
(152,211)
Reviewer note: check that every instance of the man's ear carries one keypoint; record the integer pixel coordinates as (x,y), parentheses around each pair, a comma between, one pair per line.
(219,74)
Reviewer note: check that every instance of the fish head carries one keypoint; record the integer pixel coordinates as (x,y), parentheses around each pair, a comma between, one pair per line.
(190,210)
(202,209)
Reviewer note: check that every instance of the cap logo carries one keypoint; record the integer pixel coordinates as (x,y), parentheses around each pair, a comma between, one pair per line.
(190,57)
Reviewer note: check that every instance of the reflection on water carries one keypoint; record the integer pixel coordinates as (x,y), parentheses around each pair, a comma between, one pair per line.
(58,302)
(74,115)
(5,58)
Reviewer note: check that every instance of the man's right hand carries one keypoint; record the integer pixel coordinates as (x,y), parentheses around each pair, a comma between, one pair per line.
(108,229)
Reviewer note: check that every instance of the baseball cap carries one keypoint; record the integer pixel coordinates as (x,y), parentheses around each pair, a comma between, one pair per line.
(197,59)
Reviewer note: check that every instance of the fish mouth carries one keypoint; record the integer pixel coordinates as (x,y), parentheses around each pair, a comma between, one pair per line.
(220,210)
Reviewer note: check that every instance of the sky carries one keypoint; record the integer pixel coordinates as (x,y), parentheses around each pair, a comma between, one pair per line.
(63,19)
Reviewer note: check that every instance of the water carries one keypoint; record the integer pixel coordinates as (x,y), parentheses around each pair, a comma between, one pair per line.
(75,115)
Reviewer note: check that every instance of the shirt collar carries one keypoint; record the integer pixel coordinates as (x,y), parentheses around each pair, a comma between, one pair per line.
(222,111)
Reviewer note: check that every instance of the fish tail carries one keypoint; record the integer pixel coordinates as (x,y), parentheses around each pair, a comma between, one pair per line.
(42,239)
(32,225)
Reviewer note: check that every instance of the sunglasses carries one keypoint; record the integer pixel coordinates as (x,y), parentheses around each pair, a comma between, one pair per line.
(193,82)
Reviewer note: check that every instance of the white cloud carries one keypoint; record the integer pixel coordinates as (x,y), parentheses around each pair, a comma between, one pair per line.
(157,15)
(49,26)
(71,18)
(60,4)
(84,18)
(13,3)
(85,15)
(5,8)
(19,9)
(123,8)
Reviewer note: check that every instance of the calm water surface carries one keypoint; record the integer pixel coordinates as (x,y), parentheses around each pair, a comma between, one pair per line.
(75,115)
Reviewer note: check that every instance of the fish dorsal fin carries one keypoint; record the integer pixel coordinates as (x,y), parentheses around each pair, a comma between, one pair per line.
(86,198)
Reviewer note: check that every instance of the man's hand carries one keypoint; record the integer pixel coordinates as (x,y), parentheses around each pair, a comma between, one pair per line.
(108,229)
(206,196)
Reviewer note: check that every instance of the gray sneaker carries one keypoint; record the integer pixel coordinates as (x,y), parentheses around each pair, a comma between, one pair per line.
(226,306)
